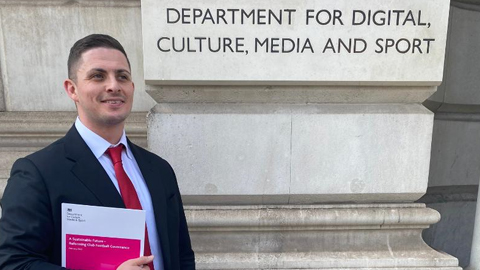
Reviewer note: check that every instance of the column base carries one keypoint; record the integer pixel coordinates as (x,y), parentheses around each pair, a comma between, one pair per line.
(347,236)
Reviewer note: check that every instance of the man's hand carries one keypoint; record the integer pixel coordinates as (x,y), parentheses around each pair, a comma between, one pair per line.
(136,264)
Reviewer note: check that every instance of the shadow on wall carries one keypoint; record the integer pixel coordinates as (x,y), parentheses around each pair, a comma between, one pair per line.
(453,233)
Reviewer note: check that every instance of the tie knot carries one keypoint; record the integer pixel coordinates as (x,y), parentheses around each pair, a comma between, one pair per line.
(115,153)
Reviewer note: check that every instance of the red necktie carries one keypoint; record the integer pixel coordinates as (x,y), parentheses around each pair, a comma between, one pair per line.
(127,190)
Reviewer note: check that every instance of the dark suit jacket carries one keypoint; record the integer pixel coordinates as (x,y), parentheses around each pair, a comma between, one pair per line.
(67,171)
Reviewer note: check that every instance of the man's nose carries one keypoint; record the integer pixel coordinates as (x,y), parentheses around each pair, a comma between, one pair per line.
(112,84)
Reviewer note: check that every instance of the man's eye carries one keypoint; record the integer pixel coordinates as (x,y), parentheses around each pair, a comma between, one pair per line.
(97,76)
(124,77)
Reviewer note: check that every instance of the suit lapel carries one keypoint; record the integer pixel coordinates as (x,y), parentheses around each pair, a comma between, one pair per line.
(89,171)
(159,199)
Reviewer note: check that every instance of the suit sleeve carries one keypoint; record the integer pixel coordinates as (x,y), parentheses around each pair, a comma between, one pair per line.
(26,225)
(187,256)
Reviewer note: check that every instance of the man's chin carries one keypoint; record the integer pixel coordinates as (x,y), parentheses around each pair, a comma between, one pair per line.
(115,120)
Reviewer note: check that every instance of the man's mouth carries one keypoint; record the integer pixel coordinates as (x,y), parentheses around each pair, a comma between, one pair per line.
(113,101)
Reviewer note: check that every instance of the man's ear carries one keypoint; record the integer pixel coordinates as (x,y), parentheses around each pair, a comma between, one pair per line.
(71,89)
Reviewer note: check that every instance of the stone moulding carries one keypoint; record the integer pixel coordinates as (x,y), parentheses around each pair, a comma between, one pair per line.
(289,94)
(307,217)
(454,112)
(22,133)
(353,236)
(453,193)
(28,131)
(472,5)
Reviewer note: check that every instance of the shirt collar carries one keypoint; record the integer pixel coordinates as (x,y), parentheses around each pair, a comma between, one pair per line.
(97,144)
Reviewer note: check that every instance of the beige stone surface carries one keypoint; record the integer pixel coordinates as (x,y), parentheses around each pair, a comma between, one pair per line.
(268,154)
(289,94)
(225,154)
(344,236)
(363,149)
(33,53)
(191,62)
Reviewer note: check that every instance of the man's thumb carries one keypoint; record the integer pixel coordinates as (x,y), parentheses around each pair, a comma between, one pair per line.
(144,260)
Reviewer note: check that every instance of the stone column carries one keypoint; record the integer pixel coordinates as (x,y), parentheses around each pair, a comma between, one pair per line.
(285,162)
(454,168)
(257,177)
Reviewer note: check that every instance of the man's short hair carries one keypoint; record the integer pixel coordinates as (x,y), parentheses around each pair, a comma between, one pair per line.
(87,43)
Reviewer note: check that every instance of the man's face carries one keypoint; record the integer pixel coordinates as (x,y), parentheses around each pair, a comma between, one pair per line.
(103,89)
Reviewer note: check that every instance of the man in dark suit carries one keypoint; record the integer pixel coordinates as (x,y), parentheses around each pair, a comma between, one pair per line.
(78,169)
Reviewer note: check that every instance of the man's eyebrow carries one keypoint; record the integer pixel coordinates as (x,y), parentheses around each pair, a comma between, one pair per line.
(104,71)
(97,70)
(122,71)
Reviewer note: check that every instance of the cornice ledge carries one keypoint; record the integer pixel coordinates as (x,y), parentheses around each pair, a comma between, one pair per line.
(454,112)
(28,131)
(87,3)
(447,194)
(318,217)
(473,5)
(473,2)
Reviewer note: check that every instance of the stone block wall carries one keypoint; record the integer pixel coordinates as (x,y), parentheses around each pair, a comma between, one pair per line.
(455,158)
(35,39)
(35,36)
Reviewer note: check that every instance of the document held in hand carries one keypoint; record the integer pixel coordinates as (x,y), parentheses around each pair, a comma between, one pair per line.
(100,238)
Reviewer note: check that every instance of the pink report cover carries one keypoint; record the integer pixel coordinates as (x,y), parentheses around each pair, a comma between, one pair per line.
(100,238)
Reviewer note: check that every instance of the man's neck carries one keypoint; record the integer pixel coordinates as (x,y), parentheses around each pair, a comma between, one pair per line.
(111,134)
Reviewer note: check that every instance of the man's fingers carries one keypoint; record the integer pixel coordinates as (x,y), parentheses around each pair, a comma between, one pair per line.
(140,262)
(143,260)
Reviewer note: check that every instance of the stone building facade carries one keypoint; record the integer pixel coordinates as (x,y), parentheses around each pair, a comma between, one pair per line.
(35,37)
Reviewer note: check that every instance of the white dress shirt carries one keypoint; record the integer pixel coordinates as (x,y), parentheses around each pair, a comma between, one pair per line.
(98,146)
